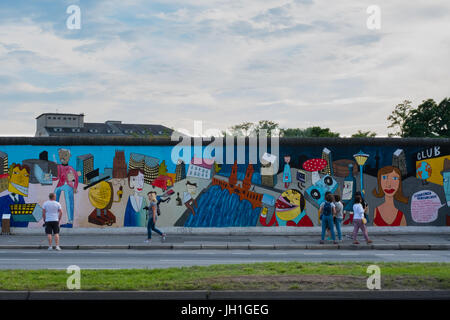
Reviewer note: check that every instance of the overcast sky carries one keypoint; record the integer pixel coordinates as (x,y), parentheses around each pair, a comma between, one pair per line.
(299,63)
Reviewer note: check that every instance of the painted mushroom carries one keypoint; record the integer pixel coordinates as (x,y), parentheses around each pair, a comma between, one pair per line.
(314,166)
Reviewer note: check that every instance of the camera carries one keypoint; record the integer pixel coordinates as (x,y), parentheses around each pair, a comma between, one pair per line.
(316,193)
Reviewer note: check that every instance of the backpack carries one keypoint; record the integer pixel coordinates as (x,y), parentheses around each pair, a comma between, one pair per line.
(327,209)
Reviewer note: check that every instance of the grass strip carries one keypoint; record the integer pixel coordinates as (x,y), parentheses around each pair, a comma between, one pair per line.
(256,276)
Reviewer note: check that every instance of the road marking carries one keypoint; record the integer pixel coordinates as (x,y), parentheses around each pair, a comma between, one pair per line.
(14,259)
(205,253)
(277,253)
(420,254)
(384,254)
(244,253)
(312,253)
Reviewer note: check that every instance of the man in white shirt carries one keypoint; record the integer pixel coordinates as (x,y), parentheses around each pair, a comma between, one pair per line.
(52,214)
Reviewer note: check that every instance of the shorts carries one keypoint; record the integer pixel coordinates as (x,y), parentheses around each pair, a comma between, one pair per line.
(52,226)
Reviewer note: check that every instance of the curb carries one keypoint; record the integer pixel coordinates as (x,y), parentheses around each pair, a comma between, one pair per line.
(239,231)
(227,295)
(230,246)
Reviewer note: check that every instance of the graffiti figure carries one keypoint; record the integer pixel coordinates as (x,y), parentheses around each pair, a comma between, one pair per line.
(423,171)
(101,196)
(135,214)
(390,187)
(287,179)
(18,181)
(446,176)
(289,211)
(188,197)
(68,183)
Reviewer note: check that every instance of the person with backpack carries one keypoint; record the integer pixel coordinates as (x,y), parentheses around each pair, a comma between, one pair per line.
(327,211)
(153,213)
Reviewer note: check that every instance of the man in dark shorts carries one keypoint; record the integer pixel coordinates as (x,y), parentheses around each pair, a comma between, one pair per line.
(52,214)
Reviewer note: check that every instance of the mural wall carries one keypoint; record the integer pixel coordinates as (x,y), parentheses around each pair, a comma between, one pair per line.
(107,186)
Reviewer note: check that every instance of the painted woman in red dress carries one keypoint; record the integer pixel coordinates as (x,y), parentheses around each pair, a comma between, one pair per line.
(389,187)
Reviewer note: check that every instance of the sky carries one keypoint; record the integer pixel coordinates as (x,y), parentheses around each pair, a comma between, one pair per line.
(299,63)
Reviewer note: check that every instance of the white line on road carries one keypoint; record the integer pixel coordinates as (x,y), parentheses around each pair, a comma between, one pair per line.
(420,254)
(384,254)
(14,259)
(313,253)
(243,253)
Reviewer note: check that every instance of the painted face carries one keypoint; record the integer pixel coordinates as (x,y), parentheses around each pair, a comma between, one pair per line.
(64,156)
(288,205)
(19,181)
(287,159)
(191,189)
(447,186)
(137,182)
(100,195)
(390,183)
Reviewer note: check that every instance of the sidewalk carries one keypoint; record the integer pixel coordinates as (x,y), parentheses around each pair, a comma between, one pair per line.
(400,238)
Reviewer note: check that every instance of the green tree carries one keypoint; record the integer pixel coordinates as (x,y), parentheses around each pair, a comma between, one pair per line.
(398,117)
(270,127)
(429,119)
(309,132)
(364,134)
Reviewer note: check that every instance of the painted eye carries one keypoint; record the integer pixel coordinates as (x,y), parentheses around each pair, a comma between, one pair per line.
(395,178)
(384,177)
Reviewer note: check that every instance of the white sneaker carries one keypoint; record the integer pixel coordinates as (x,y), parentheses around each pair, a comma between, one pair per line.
(147,241)
(50,248)
(58,248)
(163,238)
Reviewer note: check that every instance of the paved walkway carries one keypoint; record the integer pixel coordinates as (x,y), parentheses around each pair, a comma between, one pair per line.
(408,238)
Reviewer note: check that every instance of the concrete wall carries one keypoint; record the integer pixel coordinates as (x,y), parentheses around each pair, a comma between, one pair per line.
(405,181)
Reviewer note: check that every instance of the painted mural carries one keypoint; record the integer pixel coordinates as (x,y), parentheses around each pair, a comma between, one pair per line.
(108,186)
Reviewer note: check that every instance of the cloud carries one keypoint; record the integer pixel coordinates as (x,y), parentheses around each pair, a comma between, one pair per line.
(224,62)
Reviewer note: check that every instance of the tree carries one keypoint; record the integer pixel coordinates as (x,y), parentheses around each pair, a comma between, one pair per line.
(398,117)
(364,134)
(429,119)
(309,132)
(270,127)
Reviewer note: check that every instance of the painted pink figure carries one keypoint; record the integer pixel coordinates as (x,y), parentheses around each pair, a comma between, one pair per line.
(67,182)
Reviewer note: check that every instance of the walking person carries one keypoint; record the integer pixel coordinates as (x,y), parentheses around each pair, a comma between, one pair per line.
(358,223)
(339,215)
(52,214)
(326,214)
(152,216)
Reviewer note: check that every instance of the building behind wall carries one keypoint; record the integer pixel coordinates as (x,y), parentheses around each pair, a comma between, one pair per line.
(69,124)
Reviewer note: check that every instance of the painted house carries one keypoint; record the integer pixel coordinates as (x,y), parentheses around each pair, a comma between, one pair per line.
(201,168)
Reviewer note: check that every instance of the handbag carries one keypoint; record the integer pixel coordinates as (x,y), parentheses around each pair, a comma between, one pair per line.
(364,220)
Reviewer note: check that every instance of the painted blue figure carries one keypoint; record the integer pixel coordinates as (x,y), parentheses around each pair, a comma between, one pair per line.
(135,214)
(287,179)
(5,202)
(446,177)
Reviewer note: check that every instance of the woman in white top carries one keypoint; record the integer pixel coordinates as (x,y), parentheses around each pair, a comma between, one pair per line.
(358,215)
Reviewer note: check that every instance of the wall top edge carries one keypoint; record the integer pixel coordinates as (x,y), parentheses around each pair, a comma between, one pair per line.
(165,141)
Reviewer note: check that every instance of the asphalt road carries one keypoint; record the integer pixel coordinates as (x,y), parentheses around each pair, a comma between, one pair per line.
(131,259)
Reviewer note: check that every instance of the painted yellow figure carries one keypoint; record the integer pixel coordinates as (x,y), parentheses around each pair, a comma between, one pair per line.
(289,211)
(101,196)
(19,179)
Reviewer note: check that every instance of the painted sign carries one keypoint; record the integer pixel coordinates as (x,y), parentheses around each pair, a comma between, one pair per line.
(425,206)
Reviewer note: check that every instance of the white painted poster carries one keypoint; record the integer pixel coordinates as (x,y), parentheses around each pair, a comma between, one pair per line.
(425,206)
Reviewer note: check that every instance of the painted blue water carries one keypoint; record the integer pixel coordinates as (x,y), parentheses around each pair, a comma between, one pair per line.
(217,208)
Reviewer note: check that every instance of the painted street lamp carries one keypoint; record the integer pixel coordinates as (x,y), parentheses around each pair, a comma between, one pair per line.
(361,159)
